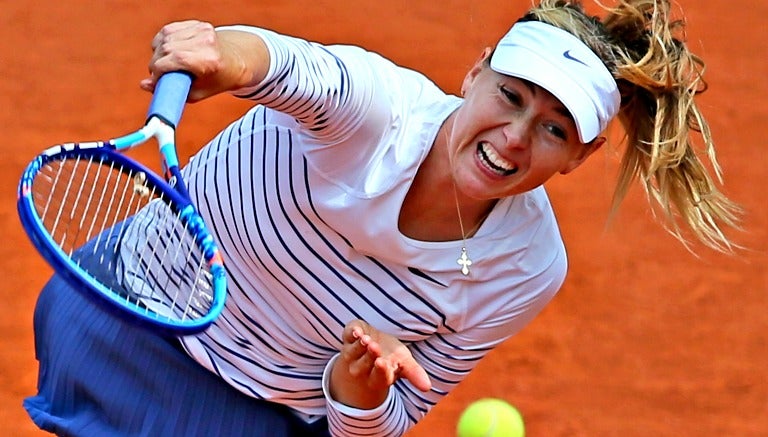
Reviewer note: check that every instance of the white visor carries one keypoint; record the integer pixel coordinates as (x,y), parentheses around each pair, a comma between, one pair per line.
(563,65)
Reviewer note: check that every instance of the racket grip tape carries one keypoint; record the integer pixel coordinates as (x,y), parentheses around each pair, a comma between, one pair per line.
(170,97)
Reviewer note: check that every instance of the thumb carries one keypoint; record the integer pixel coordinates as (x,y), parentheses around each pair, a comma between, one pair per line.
(147,84)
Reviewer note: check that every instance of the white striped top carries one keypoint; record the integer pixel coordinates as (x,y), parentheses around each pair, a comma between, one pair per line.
(304,194)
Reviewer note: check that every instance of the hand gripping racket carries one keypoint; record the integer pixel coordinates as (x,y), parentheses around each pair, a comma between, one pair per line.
(120,233)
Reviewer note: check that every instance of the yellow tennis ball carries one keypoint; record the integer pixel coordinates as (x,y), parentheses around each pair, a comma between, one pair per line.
(490,418)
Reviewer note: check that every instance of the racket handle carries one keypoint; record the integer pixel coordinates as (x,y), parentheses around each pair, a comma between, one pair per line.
(170,97)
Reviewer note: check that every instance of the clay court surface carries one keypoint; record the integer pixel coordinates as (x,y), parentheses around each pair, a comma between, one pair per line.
(644,339)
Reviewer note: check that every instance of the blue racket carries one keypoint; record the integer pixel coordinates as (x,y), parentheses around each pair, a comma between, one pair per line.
(120,233)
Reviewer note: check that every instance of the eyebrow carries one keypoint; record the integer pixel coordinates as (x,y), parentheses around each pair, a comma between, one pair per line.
(566,113)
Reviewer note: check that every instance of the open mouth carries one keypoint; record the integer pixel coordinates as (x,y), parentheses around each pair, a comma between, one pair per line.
(493,161)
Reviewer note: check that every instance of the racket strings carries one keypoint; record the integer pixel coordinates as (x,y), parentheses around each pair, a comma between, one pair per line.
(75,200)
(89,204)
(162,252)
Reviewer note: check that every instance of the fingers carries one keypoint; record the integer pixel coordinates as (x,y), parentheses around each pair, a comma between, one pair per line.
(370,362)
(219,60)
(148,84)
(381,366)
(370,366)
(354,381)
(180,30)
(360,357)
(399,364)
(416,375)
(187,45)
(353,331)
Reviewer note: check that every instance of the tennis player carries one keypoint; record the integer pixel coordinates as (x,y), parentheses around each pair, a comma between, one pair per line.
(380,235)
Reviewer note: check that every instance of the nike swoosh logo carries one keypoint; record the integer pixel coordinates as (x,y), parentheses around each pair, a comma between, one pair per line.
(567,55)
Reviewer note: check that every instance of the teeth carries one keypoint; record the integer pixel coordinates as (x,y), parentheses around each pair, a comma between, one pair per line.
(495,161)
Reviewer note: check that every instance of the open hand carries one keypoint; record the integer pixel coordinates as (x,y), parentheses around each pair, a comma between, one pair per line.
(369,363)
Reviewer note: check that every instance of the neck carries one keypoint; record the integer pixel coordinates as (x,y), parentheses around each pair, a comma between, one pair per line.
(471,213)
(429,210)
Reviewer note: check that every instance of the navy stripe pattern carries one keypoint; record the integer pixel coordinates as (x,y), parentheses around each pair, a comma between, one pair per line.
(295,279)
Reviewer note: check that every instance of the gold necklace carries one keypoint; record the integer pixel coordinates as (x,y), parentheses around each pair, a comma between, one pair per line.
(464,261)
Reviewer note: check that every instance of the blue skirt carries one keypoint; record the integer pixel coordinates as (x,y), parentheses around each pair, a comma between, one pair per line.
(103,376)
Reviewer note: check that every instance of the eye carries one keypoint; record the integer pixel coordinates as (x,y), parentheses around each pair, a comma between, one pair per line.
(557,131)
(510,95)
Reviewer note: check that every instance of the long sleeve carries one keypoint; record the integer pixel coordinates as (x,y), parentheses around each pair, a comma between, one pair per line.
(326,93)
(304,191)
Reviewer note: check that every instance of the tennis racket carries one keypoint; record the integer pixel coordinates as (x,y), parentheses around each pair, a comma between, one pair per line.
(121,234)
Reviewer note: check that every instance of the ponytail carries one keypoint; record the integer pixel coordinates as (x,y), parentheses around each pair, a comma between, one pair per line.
(658,78)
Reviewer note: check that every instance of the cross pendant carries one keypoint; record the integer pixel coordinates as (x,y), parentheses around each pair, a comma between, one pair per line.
(464,261)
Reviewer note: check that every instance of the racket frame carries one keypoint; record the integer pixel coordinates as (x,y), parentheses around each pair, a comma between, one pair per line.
(164,114)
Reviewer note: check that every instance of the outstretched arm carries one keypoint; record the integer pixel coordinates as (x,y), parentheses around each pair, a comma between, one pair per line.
(221,61)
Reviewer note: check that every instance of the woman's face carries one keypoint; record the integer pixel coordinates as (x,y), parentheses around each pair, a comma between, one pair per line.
(510,136)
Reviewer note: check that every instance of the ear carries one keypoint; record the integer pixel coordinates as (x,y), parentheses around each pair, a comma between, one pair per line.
(472,74)
(582,154)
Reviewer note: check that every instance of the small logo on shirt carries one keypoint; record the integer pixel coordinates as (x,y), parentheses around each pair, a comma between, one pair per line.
(567,55)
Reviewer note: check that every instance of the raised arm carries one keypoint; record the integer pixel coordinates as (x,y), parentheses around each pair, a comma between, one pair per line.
(220,60)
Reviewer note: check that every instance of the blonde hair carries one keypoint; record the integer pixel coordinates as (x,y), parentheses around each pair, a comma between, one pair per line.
(658,78)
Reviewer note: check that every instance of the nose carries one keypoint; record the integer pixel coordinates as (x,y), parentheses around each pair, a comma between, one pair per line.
(517,133)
